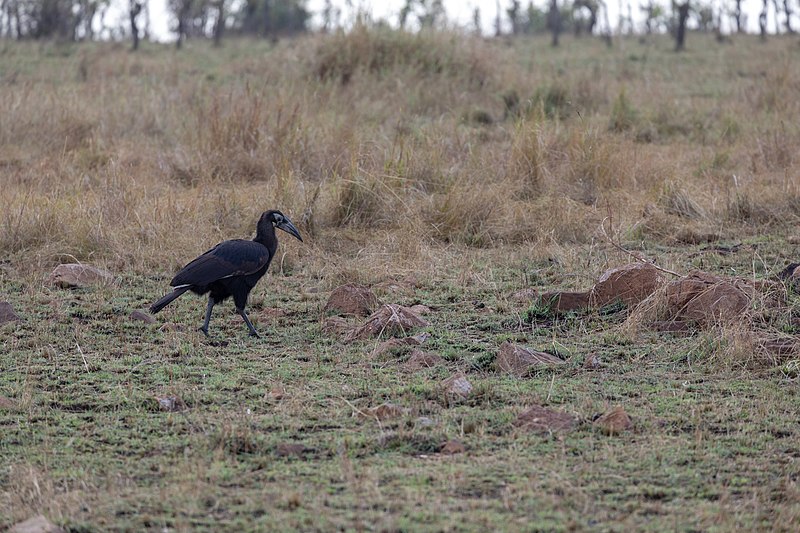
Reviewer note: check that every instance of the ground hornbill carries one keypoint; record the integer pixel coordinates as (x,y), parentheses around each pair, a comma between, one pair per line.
(231,268)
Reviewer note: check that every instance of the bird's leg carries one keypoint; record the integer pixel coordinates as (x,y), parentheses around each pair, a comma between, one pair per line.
(210,307)
(243,313)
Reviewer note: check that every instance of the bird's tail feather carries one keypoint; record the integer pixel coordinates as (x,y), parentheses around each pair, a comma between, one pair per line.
(167,299)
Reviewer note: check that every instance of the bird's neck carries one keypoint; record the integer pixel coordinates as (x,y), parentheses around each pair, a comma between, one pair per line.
(265,235)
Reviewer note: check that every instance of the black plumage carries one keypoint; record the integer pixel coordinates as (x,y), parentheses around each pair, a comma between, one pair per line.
(231,268)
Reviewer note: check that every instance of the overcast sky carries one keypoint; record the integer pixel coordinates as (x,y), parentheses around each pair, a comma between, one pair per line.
(458,11)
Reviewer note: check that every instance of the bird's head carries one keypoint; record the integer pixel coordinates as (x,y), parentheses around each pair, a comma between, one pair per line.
(281,221)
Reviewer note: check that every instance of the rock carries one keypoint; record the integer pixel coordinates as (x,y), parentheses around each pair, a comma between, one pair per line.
(592,362)
(289,449)
(37,524)
(453,447)
(69,276)
(385,411)
(520,361)
(629,284)
(543,420)
(562,302)
(7,313)
(420,360)
(351,299)
(390,319)
(457,386)
(170,403)
(707,299)
(614,421)
(141,316)
(172,326)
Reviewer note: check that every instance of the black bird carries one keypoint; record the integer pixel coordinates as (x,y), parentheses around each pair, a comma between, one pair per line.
(231,268)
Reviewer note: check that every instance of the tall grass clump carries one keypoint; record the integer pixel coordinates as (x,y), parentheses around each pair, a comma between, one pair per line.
(623,115)
(526,163)
(378,51)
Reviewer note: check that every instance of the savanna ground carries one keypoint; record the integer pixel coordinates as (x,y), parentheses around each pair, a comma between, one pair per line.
(436,169)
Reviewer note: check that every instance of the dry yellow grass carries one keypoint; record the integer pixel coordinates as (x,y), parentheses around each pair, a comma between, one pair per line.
(137,161)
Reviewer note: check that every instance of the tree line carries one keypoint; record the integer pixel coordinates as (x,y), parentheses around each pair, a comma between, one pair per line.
(78,20)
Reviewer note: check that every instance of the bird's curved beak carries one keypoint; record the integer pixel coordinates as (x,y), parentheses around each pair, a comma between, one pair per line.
(288,227)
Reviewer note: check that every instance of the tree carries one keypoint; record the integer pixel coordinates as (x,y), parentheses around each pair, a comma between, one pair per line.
(704,15)
(762,20)
(514,17)
(584,22)
(554,21)
(219,21)
(737,16)
(180,9)
(680,31)
(271,18)
(535,20)
(787,9)
(653,16)
(134,9)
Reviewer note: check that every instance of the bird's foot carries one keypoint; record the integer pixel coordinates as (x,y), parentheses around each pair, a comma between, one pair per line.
(204,330)
(255,334)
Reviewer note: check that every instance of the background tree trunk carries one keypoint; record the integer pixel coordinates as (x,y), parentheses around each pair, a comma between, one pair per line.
(554,21)
(219,24)
(133,11)
(680,32)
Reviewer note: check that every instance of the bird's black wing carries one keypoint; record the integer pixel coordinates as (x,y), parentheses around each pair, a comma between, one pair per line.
(230,258)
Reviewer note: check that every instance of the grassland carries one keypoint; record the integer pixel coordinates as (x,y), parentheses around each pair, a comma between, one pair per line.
(436,169)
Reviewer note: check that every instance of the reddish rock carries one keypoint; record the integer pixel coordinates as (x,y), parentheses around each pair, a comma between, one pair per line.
(7,313)
(75,275)
(457,386)
(390,320)
(352,299)
(629,284)
(614,421)
(543,420)
(520,361)
(707,299)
